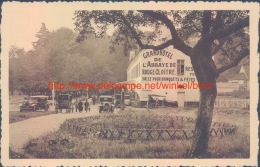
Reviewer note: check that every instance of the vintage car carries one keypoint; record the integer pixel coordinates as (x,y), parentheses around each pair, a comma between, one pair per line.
(127,100)
(171,103)
(64,101)
(34,103)
(106,103)
(118,100)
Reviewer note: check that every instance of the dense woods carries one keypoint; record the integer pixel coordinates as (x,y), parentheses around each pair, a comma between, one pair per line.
(57,57)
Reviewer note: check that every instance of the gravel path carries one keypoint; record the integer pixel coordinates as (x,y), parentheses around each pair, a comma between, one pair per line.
(21,132)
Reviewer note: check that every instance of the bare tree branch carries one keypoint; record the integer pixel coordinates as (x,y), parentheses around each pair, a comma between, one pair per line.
(235,62)
(132,30)
(218,21)
(206,22)
(226,53)
(177,42)
(230,30)
(139,42)
(159,47)
(232,47)
(220,47)
(217,48)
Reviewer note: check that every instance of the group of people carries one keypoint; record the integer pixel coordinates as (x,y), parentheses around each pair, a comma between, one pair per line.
(80,105)
(151,104)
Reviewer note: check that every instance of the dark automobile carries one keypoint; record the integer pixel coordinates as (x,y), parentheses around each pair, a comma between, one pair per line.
(34,103)
(171,103)
(118,100)
(64,101)
(106,103)
(127,99)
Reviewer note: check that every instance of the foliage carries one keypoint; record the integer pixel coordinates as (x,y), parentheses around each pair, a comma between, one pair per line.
(57,57)
(198,34)
(186,26)
(42,36)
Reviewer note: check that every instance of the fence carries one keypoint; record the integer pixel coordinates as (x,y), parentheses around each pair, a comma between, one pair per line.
(131,134)
(232,103)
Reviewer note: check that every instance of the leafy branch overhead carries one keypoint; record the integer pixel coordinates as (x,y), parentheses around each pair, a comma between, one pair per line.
(225,33)
(198,34)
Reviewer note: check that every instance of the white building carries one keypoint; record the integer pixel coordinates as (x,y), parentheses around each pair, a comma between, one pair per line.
(162,73)
(242,78)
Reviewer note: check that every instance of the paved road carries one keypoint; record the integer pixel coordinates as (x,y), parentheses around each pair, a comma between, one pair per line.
(21,132)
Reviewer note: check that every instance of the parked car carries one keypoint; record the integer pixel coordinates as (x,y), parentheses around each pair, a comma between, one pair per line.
(64,101)
(117,100)
(127,100)
(171,103)
(34,103)
(106,103)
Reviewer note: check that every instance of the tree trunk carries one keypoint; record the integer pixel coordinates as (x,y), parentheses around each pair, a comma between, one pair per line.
(203,123)
(206,73)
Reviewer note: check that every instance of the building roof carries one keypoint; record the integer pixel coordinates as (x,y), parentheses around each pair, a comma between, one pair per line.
(159,97)
(240,76)
(246,68)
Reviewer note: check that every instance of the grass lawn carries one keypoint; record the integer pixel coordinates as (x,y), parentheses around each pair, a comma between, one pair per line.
(71,144)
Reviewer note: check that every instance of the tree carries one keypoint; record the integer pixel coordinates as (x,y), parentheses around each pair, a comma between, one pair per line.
(42,36)
(57,57)
(15,53)
(81,62)
(198,34)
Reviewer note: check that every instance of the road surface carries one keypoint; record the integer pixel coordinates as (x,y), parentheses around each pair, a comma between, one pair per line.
(21,132)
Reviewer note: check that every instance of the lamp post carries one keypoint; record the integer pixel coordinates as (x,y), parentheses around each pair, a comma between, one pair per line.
(53,94)
(122,99)
(87,94)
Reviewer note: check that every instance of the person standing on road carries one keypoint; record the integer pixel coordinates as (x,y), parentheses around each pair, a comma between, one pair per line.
(94,100)
(80,106)
(76,105)
(156,103)
(87,107)
(148,103)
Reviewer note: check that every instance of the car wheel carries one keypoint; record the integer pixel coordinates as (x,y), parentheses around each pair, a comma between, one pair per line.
(21,110)
(34,109)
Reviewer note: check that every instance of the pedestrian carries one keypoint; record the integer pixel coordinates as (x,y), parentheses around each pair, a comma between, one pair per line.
(76,105)
(148,104)
(87,107)
(156,103)
(164,102)
(80,105)
(94,100)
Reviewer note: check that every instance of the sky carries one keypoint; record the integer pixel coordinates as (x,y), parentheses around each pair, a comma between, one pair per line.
(23,20)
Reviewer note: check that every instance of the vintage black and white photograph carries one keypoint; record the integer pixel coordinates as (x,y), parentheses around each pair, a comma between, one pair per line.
(97,81)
